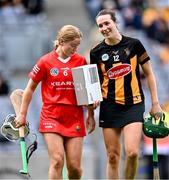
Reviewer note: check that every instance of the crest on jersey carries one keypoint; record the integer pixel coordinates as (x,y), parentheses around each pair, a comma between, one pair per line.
(78,128)
(54,71)
(127,51)
(105,57)
(119,71)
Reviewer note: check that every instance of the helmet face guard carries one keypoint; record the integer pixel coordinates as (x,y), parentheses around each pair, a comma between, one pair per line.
(9,130)
(156,128)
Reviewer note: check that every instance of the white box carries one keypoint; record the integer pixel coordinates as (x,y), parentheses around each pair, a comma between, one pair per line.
(87,84)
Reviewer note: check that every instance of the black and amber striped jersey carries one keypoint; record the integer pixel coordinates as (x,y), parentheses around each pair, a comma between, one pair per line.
(118,67)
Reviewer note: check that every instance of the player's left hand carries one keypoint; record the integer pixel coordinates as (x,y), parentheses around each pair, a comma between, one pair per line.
(156,111)
(94,105)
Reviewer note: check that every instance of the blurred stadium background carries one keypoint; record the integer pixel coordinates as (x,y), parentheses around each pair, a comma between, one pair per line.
(27,31)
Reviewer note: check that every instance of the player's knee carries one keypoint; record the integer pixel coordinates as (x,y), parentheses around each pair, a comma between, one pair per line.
(113,158)
(57,162)
(74,171)
(132,154)
(16,93)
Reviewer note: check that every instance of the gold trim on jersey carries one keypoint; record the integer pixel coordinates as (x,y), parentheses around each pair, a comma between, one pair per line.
(143,56)
(134,82)
(105,83)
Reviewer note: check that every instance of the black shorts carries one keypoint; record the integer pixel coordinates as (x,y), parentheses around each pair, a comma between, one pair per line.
(117,115)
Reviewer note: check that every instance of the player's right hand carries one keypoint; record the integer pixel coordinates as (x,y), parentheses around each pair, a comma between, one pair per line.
(20,120)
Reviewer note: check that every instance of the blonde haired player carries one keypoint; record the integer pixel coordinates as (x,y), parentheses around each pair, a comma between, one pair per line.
(61,120)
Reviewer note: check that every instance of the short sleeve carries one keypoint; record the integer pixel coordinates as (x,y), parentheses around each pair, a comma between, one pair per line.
(93,60)
(38,72)
(141,53)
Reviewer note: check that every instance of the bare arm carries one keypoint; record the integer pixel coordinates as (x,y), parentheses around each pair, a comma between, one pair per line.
(90,122)
(148,72)
(26,99)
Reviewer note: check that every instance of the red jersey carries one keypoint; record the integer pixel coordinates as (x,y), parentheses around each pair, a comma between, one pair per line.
(60,112)
(56,77)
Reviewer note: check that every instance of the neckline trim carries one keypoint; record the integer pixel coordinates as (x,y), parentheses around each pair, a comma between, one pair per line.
(64,60)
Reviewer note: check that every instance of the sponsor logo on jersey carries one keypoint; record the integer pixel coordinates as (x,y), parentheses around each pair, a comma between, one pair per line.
(119,71)
(54,71)
(62,83)
(105,57)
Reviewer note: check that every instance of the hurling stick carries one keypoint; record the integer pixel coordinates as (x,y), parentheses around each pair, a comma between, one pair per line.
(16,100)
(156,174)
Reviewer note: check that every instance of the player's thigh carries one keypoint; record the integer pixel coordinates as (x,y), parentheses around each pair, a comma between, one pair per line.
(112,139)
(55,144)
(132,136)
(73,150)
